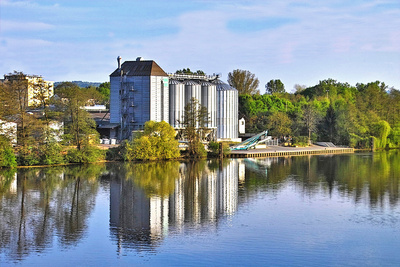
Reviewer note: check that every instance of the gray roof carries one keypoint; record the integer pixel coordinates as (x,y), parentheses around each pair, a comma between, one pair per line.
(171,81)
(207,84)
(190,82)
(140,68)
(221,86)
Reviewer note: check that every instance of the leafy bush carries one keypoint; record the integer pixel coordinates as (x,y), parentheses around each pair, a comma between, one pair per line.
(380,131)
(7,157)
(116,153)
(51,153)
(198,150)
(394,137)
(87,154)
(213,147)
(28,156)
(356,141)
(300,141)
(156,142)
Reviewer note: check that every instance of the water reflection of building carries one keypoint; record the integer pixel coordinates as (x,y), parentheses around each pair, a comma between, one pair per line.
(200,198)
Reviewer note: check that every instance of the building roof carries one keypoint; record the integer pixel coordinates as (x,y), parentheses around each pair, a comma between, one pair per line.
(140,68)
(221,86)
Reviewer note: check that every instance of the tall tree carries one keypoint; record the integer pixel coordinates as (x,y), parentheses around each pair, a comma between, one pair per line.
(244,81)
(194,121)
(14,102)
(274,86)
(329,125)
(78,124)
(310,119)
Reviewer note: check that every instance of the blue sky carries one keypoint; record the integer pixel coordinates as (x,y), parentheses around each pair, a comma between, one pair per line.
(296,41)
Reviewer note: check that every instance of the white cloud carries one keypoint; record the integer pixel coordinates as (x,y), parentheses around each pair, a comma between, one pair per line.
(323,40)
(12,26)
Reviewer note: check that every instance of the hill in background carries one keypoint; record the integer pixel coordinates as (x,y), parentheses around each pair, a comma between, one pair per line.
(81,84)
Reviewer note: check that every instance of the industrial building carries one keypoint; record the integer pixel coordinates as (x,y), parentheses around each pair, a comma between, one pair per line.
(141,91)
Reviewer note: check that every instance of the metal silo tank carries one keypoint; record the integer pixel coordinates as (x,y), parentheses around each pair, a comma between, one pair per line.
(176,102)
(209,100)
(192,89)
(227,111)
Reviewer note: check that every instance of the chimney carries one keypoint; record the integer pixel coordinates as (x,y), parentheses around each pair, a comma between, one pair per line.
(119,62)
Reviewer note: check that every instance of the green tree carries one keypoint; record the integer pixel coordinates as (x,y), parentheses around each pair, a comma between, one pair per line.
(381,131)
(328,129)
(393,107)
(156,142)
(79,128)
(104,90)
(274,86)
(244,81)
(310,119)
(14,102)
(189,72)
(7,157)
(195,119)
(394,137)
(279,124)
(86,154)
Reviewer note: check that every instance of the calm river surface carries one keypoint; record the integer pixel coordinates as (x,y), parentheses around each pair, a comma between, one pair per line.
(334,210)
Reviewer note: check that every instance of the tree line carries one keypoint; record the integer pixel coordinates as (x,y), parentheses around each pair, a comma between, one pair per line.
(358,116)
(53,130)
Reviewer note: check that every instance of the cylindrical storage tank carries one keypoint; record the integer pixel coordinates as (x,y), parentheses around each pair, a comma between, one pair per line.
(192,89)
(227,111)
(209,100)
(176,102)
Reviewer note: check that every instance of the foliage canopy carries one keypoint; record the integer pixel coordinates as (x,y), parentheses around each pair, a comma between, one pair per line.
(156,142)
(244,81)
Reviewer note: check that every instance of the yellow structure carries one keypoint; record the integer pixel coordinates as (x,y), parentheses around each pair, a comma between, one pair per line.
(37,88)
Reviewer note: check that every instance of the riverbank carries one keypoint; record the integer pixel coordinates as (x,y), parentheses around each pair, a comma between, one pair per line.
(280,151)
(272,151)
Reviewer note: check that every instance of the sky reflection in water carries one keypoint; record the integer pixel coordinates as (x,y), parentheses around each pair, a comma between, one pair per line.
(317,210)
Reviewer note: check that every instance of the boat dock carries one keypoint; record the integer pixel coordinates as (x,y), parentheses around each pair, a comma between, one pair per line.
(278,151)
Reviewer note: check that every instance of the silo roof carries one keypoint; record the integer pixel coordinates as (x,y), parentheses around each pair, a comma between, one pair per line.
(221,86)
(140,68)
(207,84)
(171,81)
(190,82)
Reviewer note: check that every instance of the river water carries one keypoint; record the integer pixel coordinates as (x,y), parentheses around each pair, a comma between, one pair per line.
(327,210)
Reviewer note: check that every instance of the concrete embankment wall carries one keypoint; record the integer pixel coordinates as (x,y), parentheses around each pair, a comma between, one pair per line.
(259,154)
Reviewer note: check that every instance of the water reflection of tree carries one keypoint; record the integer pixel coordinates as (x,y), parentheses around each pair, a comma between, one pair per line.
(155,178)
(48,202)
(7,177)
(369,176)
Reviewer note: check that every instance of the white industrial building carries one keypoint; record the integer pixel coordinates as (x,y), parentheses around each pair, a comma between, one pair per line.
(141,91)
